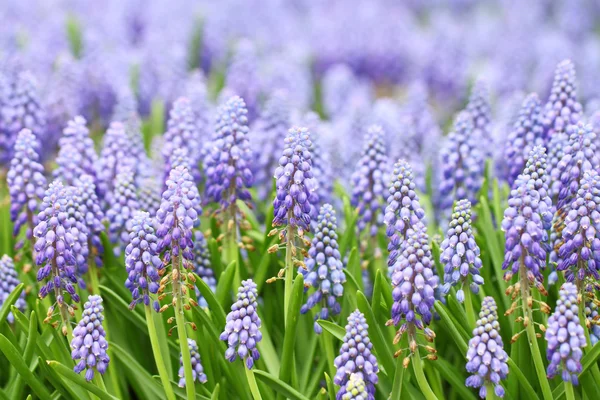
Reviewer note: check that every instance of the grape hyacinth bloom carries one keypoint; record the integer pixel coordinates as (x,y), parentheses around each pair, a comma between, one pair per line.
(26,183)
(526,132)
(592,316)
(79,231)
(242,329)
(562,108)
(403,211)
(76,155)
(556,150)
(228,163)
(242,77)
(202,266)
(116,155)
(89,342)
(414,281)
(9,280)
(54,249)
(481,114)
(579,250)
(324,269)
(197,369)
(149,194)
(565,337)
(527,219)
(93,216)
(182,132)
(369,181)
(460,253)
(486,358)
(462,165)
(295,185)
(123,202)
(142,260)
(356,357)
(355,389)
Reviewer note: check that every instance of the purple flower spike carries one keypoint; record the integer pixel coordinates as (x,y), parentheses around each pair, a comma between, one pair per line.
(414,281)
(21,109)
(177,215)
(403,211)
(123,202)
(356,357)
(481,113)
(55,254)
(76,155)
(565,337)
(295,184)
(149,194)
(203,266)
(142,260)
(242,329)
(579,251)
(197,369)
(527,219)
(556,149)
(93,216)
(462,165)
(26,182)
(228,172)
(460,253)
(89,344)
(486,358)
(182,132)
(117,154)
(9,280)
(526,133)
(562,108)
(369,181)
(242,77)
(355,389)
(76,215)
(324,269)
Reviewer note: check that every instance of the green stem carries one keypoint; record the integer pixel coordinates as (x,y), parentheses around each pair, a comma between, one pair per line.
(418,368)
(230,245)
(398,379)
(67,330)
(94,282)
(181,333)
(582,320)
(535,349)
(490,394)
(99,381)
(289,269)
(252,384)
(158,357)
(569,391)
(469,308)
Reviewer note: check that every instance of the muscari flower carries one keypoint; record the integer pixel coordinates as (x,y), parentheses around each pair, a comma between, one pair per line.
(142,260)
(196,91)
(462,164)
(242,329)
(227,165)
(525,134)
(178,212)
(8,281)
(79,231)
(89,342)
(403,211)
(182,132)
(54,245)
(369,181)
(562,108)
(242,77)
(579,251)
(26,182)
(527,219)
(295,184)
(481,113)
(324,269)
(556,149)
(355,389)
(123,202)
(76,155)
(202,265)
(486,358)
(414,281)
(356,357)
(460,253)
(321,163)
(116,155)
(565,337)
(197,369)
(93,216)
(149,193)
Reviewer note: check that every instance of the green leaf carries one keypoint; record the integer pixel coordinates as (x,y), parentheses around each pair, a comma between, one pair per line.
(10,300)
(215,256)
(528,389)
(224,284)
(289,340)
(32,338)
(279,386)
(80,380)
(180,392)
(350,228)
(336,330)
(455,331)
(117,303)
(354,268)
(450,374)
(65,388)
(139,373)
(330,387)
(16,360)
(214,306)
(215,393)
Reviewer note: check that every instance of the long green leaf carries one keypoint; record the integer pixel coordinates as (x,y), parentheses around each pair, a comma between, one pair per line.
(224,284)
(215,393)
(450,373)
(279,386)
(118,304)
(139,373)
(289,340)
(80,380)
(330,387)
(16,360)
(32,338)
(332,328)
(10,300)
(214,306)
(528,389)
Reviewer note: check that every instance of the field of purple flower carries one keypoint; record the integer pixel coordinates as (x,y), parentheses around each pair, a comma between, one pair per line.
(299,199)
